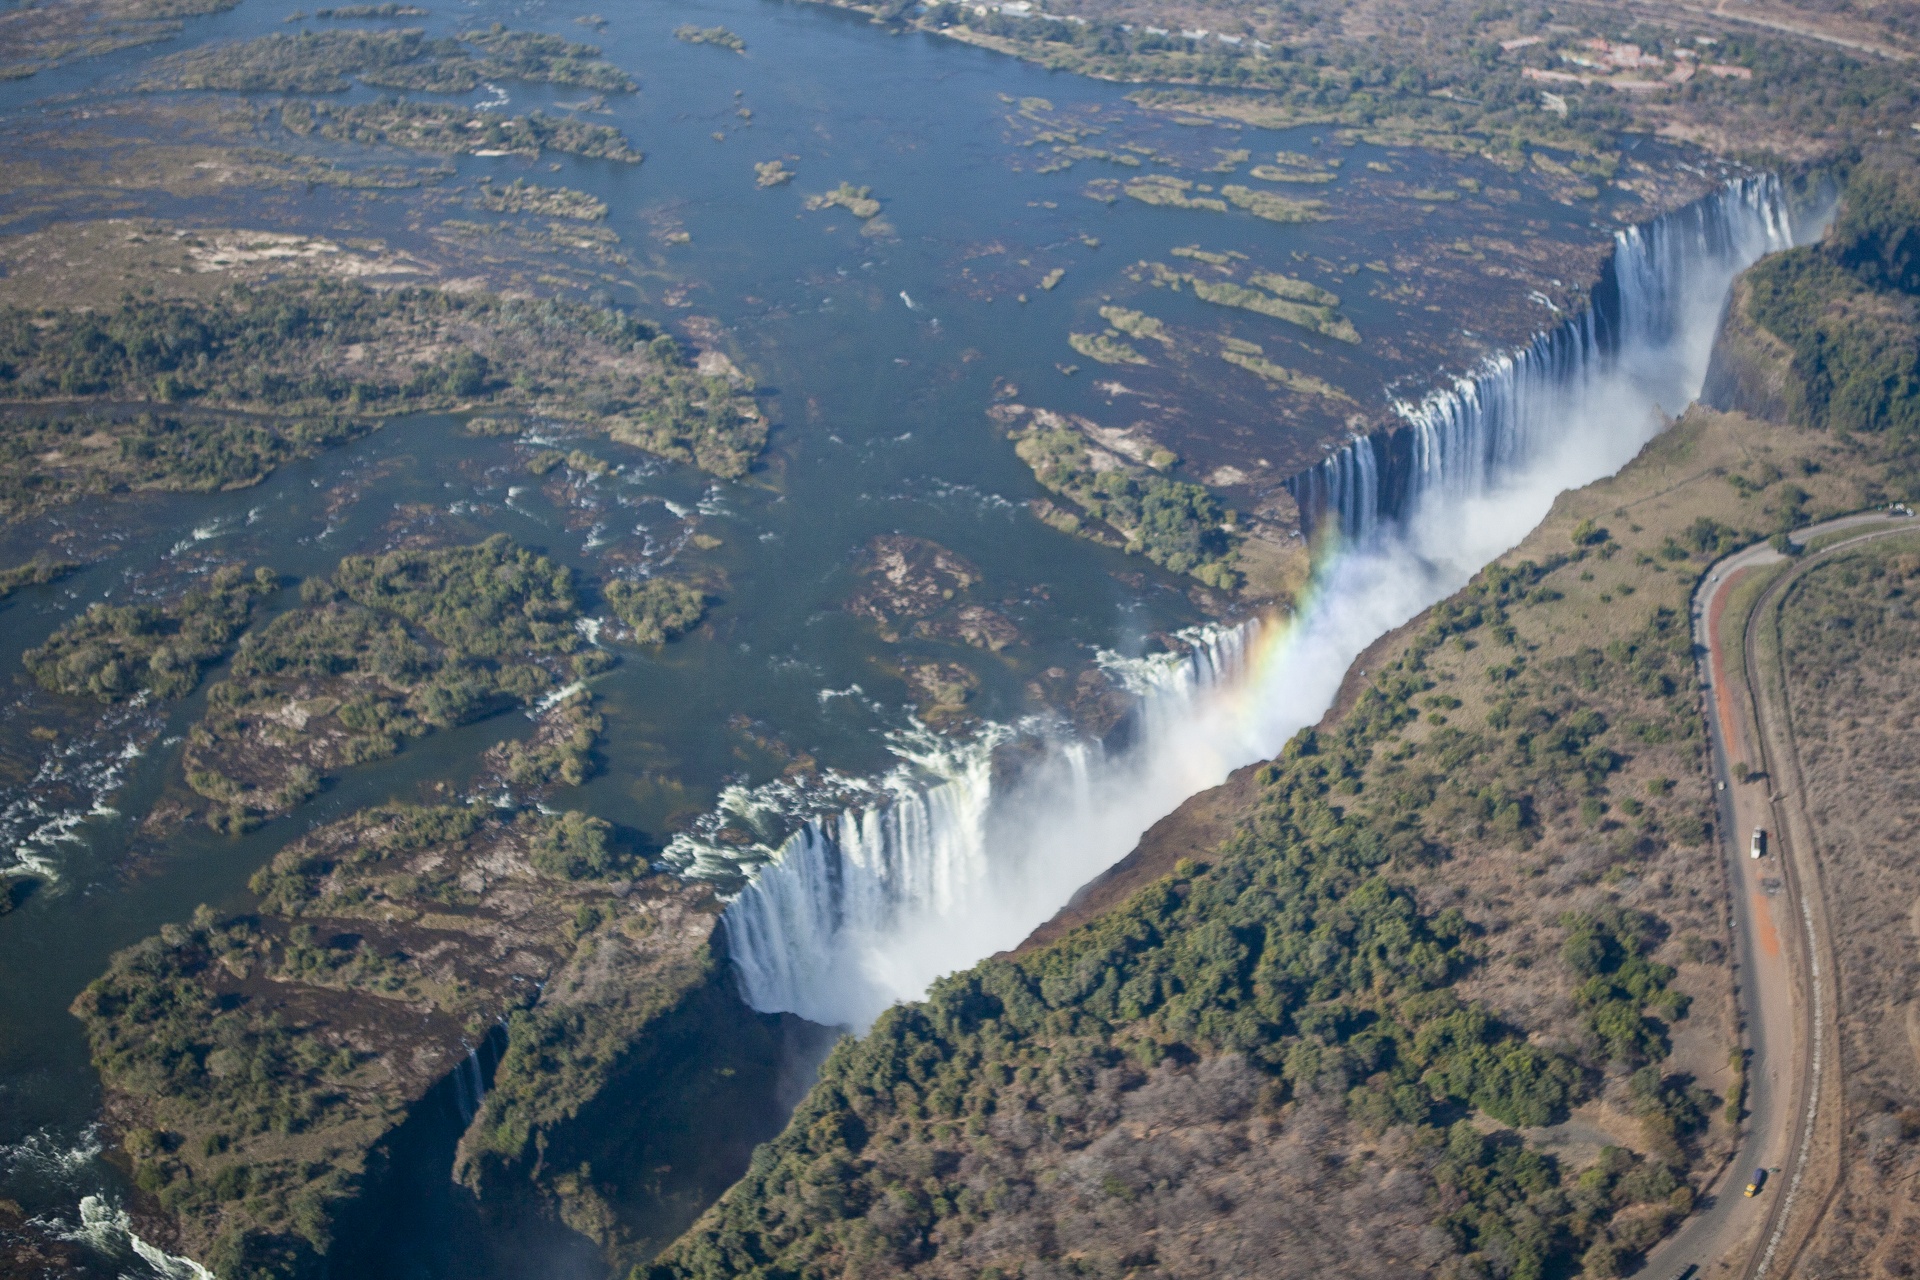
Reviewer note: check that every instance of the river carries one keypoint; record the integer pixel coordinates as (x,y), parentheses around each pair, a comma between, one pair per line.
(878,348)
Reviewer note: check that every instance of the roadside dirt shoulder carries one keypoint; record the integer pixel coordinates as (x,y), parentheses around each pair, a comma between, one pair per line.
(1838,656)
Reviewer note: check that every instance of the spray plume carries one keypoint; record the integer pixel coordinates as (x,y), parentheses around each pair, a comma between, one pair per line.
(868,906)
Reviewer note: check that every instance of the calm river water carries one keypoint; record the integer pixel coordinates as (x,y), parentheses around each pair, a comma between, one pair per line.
(878,349)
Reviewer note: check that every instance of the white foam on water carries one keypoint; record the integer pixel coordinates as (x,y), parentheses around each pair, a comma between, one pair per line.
(847,908)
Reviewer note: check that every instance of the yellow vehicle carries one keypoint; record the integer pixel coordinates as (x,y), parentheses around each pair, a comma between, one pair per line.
(1759,1181)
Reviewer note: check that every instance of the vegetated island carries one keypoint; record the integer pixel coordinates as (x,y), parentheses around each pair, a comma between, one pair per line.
(857,201)
(35,573)
(35,37)
(656,610)
(1298,302)
(1107,347)
(1124,501)
(1294,166)
(1252,357)
(1301,302)
(438,127)
(771,173)
(1167,191)
(392,647)
(1454,966)
(243,379)
(255,1063)
(1136,324)
(328,61)
(719,36)
(521,196)
(112,653)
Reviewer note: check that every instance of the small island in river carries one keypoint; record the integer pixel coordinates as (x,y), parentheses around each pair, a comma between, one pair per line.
(531,656)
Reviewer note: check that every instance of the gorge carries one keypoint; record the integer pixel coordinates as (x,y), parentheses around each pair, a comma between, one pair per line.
(742,638)
(863,908)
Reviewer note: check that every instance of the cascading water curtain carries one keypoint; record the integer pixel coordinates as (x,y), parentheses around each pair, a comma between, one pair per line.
(1654,312)
(868,907)
(831,928)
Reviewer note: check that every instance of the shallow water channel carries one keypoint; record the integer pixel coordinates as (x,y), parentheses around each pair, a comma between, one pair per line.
(877,349)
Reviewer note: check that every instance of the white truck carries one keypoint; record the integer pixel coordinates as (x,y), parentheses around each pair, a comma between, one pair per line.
(1759,842)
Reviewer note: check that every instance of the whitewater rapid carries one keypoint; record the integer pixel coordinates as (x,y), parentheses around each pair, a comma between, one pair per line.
(941,862)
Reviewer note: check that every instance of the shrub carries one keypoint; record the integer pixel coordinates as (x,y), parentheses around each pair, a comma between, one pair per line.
(656,610)
(114,652)
(572,846)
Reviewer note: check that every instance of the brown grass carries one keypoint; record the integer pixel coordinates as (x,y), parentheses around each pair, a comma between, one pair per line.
(1851,644)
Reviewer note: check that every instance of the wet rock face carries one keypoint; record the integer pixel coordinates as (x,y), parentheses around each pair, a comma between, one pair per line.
(1750,369)
(941,691)
(914,581)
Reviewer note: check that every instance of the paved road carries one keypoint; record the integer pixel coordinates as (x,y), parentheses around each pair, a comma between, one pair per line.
(1776,928)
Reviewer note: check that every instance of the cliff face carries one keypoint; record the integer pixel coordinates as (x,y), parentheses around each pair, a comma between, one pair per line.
(1452,968)
(257,1064)
(1750,371)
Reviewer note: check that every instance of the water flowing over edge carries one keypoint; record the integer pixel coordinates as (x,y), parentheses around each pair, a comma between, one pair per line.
(1648,307)
(106,1228)
(942,862)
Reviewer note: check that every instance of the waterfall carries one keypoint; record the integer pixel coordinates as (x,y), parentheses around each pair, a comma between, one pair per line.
(1654,310)
(107,1228)
(943,862)
(469,1086)
(820,929)
(468,1081)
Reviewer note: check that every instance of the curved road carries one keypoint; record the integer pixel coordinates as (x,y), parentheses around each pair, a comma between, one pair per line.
(1784,981)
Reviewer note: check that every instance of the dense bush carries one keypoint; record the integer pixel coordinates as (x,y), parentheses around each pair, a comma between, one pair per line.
(112,652)
(572,846)
(1877,233)
(264,1057)
(488,600)
(1300,952)
(51,456)
(392,646)
(1847,310)
(657,609)
(317,355)
(325,62)
(157,1031)
(262,346)
(424,126)
(562,748)
(34,574)
(1175,524)
(1608,952)
(313,878)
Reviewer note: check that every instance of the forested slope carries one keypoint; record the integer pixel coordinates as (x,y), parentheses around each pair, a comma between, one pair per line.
(1452,998)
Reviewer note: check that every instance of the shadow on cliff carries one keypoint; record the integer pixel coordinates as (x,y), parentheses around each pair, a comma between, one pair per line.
(674,1129)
